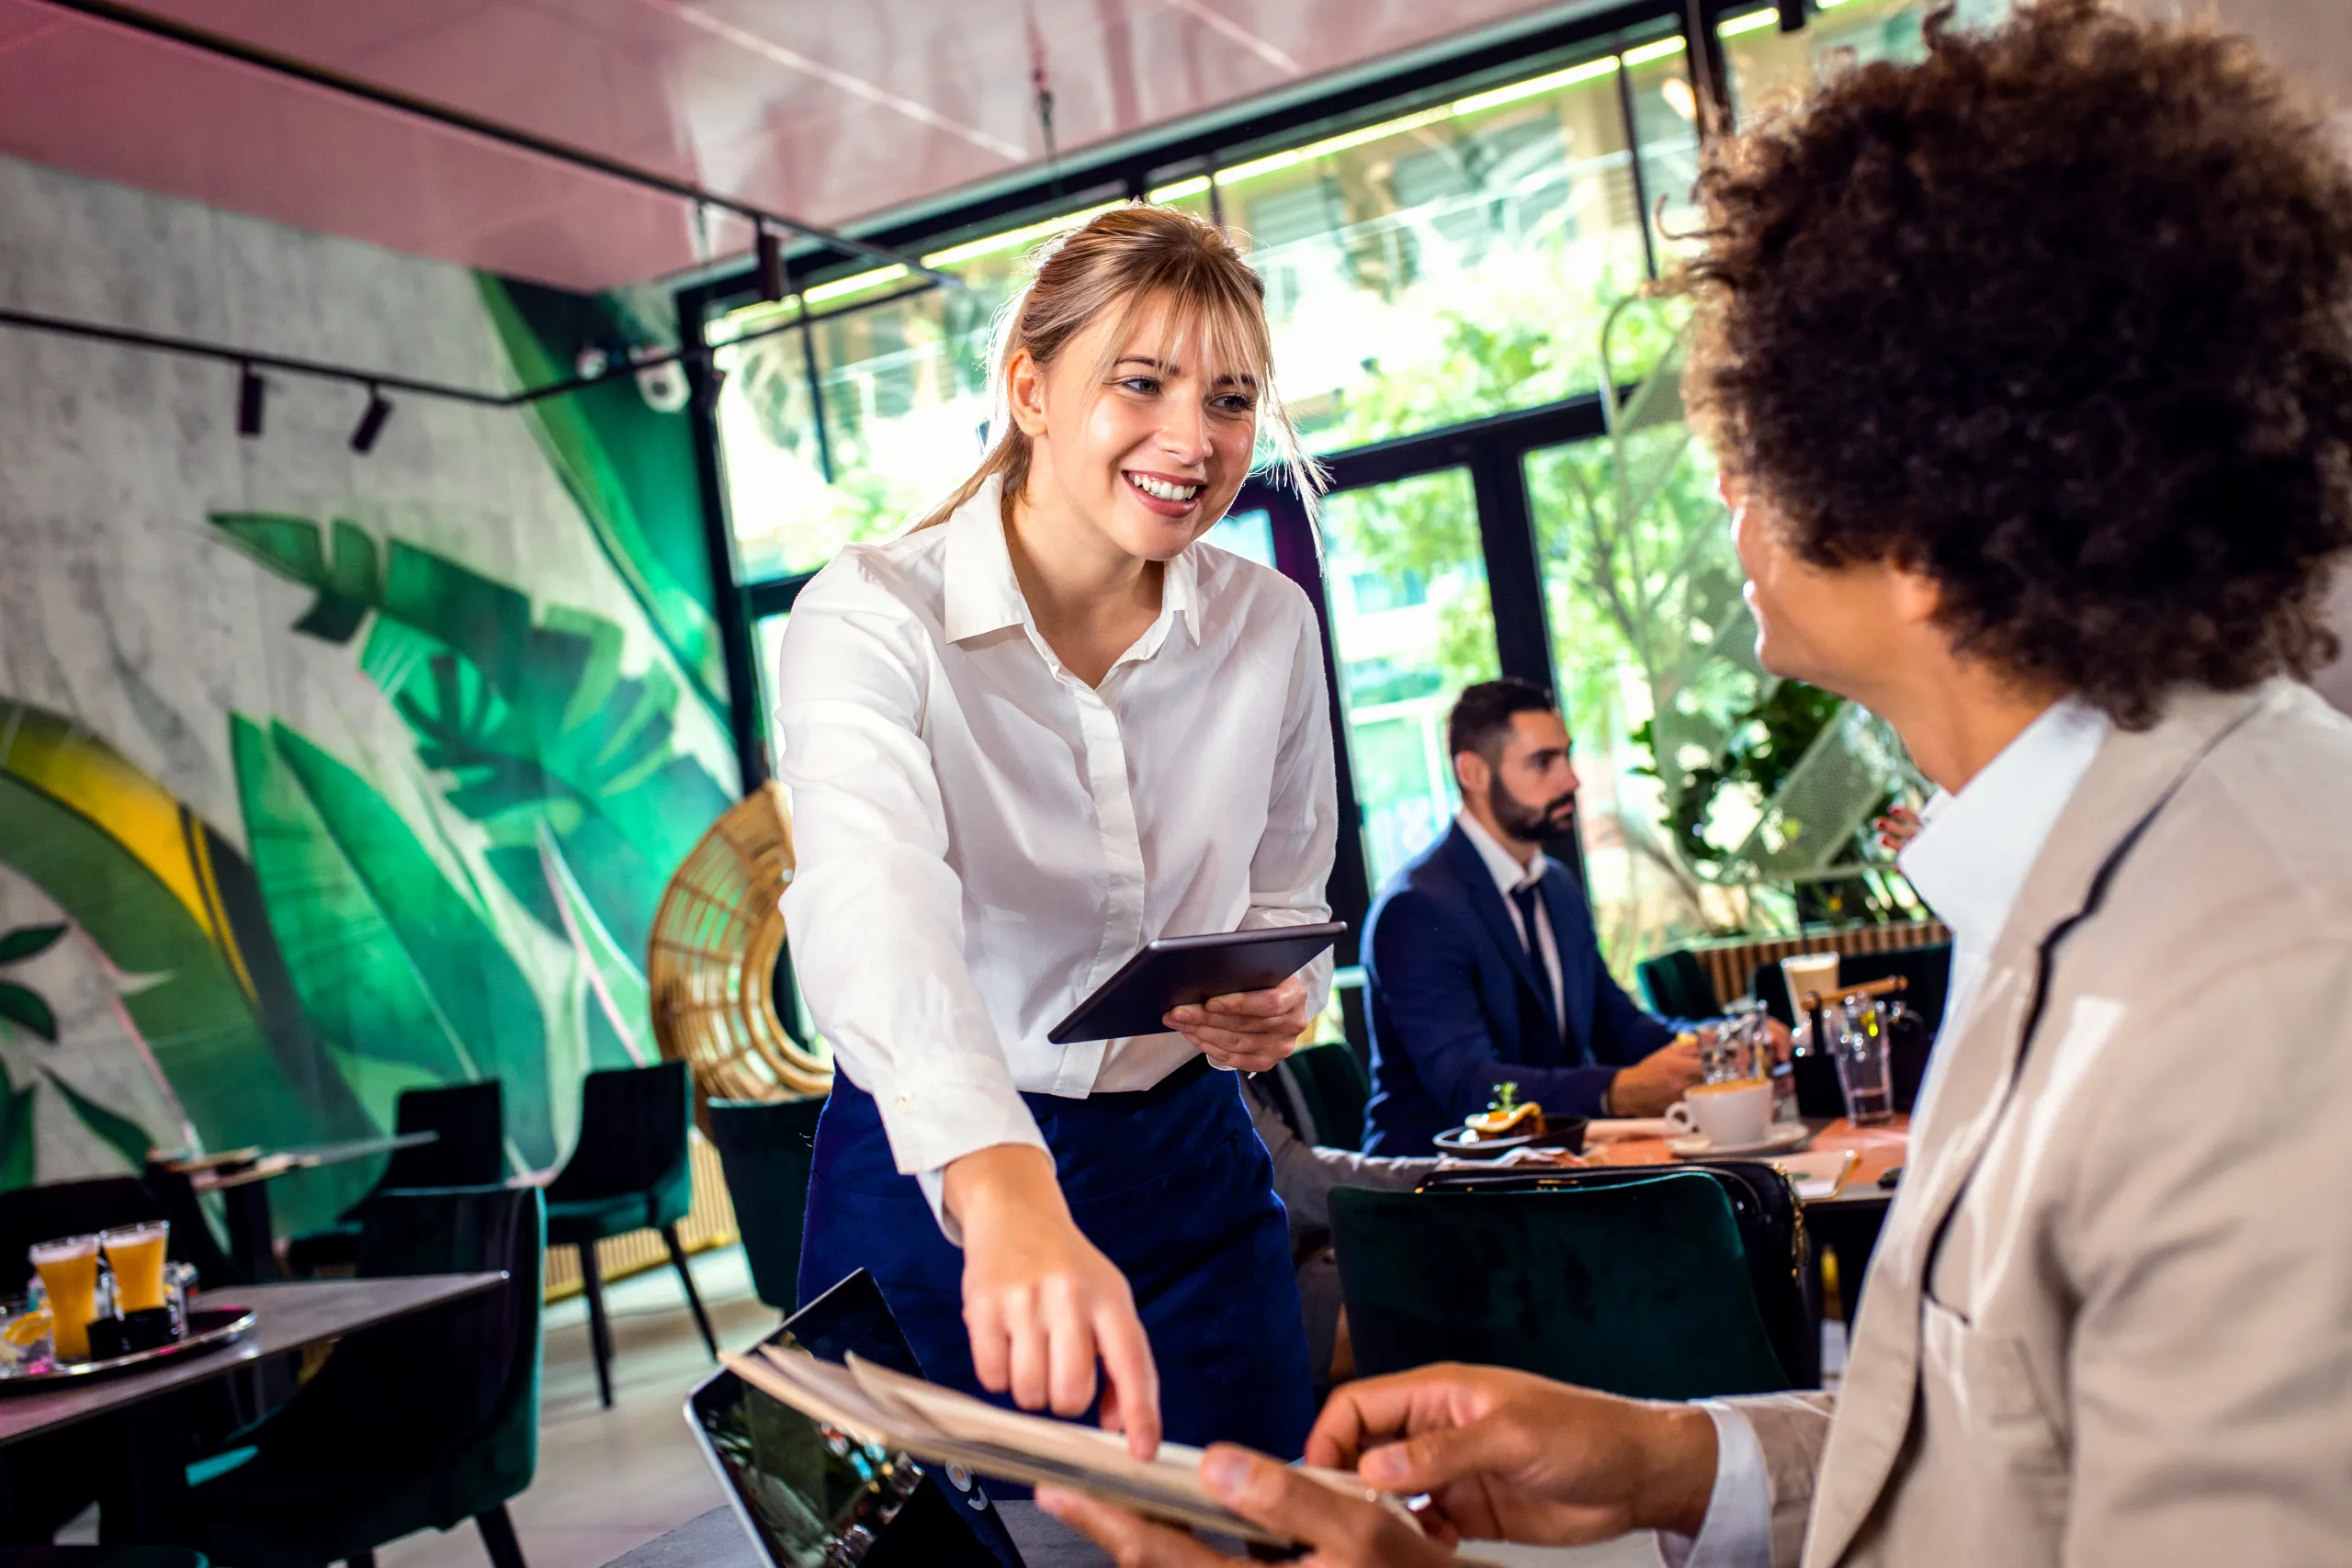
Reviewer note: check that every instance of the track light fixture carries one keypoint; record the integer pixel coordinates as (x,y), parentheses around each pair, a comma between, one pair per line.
(769,248)
(251,391)
(371,423)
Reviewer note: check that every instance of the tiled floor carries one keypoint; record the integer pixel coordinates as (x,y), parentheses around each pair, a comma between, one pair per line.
(610,1479)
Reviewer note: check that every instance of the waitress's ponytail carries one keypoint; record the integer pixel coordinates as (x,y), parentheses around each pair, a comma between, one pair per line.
(1121,262)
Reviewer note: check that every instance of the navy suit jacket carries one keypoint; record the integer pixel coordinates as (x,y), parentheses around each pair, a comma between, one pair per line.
(1459,1005)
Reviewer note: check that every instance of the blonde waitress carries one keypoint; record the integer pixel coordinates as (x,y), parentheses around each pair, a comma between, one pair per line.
(1039,729)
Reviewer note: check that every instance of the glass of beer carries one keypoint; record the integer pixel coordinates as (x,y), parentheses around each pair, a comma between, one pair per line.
(69,1275)
(135,1253)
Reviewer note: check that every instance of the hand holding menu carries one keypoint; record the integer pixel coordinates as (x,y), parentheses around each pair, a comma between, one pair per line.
(940,1426)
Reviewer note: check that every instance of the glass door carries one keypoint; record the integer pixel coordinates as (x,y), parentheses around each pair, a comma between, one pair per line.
(1411,623)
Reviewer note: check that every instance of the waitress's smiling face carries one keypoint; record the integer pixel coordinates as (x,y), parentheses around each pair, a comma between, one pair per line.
(1151,451)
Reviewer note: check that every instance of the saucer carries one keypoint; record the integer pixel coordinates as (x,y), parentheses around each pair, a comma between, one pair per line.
(1779,1138)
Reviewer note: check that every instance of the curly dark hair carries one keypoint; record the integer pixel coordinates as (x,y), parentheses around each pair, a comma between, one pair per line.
(2061,317)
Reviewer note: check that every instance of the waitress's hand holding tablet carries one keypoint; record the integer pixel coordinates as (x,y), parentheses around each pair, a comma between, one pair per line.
(1236,996)
(1247,1032)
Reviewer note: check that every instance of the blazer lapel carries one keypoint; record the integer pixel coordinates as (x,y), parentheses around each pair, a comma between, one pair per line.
(2129,781)
(1478,884)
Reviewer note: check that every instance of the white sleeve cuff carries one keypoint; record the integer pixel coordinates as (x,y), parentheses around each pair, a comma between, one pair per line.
(1737,1531)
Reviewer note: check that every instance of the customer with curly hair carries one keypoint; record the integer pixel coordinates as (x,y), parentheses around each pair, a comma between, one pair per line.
(2030,370)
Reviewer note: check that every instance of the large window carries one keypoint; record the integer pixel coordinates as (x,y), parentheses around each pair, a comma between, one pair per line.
(1455,286)
(1411,624)
(1430,267)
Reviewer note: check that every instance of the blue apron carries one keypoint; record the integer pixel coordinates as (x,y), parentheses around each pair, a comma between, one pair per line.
(1174,1187)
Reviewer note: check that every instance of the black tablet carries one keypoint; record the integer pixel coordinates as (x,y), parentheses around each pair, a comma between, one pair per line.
(809,1495)
(1175,971)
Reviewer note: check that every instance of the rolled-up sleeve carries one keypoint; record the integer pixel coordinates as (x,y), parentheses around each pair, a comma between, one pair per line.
(1291,870)
(874,912)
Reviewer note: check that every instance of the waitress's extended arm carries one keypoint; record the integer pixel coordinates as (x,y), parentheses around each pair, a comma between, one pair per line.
(1252,1031)
(876,919)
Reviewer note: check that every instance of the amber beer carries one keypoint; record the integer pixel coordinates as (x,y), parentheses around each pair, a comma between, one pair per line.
(135,1253)
(68,1273)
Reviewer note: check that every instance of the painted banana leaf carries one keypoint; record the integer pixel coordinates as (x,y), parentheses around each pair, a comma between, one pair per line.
(166,898)
(393,963)
(17,1163)
(620,1007)
(629,467)
(534,723)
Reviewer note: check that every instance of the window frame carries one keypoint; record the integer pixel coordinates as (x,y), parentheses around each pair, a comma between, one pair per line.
(1494,449)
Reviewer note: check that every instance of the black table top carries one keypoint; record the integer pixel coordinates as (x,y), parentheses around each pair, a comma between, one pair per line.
(286,1317)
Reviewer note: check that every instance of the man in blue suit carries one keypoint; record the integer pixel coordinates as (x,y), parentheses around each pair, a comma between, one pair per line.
(1480,954)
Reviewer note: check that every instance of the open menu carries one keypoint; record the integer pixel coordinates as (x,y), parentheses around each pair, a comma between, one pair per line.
(940,1425)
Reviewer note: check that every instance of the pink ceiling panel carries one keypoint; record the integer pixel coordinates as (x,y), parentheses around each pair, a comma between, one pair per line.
(828,111)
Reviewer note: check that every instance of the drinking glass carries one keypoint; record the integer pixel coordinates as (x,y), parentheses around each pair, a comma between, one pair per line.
(1738,1047)
(135,1253)
(1863,1071)
(69,1276)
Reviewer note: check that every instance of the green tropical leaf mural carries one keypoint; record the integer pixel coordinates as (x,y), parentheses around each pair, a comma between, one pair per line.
(534,722)
(15,1136)
(628,466)
(23,1005)
(394,963)
(171,903)
(27,941)
(118,1132)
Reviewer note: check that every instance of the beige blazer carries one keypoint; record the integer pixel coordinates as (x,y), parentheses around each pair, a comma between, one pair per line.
(2109,1321)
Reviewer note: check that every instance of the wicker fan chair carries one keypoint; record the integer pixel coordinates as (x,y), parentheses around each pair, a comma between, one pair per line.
(711,964)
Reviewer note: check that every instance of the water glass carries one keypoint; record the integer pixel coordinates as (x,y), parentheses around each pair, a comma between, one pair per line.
(1864,1072)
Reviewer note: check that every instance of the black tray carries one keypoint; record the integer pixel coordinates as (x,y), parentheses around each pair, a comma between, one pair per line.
(208,1329)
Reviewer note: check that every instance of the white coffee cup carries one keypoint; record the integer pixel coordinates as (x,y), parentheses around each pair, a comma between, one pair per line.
(1804,971)
(1729,1114)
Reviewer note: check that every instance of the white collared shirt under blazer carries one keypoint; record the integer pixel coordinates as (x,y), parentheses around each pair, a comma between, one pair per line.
(982,837)
(2109,1322)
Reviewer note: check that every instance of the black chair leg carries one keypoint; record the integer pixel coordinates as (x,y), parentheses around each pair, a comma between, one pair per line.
(498,1536)
(600,1333)
(686,1278)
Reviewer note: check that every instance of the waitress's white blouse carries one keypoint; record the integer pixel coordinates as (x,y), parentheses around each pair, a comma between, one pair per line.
(982,838)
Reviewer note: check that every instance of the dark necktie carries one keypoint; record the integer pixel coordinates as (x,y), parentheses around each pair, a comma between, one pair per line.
(1525,899)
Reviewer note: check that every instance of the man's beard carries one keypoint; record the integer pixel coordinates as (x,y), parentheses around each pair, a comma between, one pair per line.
(1527,824)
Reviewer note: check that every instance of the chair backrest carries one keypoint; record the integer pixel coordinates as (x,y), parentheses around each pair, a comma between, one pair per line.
(632,1140)
(1676,986)
(456,1386)
(1639,1288)
(1772,1239)
(1333,1087)
(766,1147)
(471,1149)
(30,1215)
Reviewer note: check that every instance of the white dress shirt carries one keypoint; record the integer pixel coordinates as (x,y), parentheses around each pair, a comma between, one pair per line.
(1972,854)
(1509,878)
(982,837)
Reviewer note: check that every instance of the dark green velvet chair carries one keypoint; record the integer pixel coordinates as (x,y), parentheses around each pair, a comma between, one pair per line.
(766,1147)
(468,1149)
(1332,1088)
(1640,1289)
(421,1423)
(628,1172)
(1676,986)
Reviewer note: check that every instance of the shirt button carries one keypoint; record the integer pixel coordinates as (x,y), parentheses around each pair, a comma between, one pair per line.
(902,1100)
